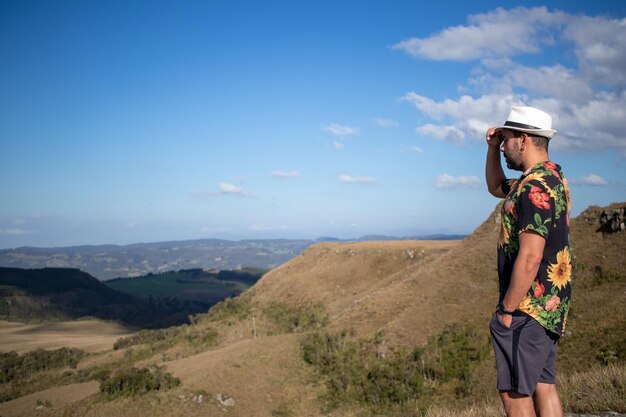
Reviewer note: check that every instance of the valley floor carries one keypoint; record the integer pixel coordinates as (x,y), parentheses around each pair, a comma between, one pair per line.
(88,335)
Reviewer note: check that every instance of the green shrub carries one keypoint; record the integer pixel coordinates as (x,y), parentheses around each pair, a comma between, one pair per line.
(229,311)
(299,318)
(160,337)
(130,382)
(453,354)
(390,381)
(201,338)
(357,371)
(612,348)
(159,340)
(603,276)
(14,366)
(100,374)
(282,411)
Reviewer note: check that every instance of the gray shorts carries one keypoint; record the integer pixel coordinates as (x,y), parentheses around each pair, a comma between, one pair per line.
(525,354)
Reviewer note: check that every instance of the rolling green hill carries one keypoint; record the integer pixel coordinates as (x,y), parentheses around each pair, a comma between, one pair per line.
(36,295)
(189,284)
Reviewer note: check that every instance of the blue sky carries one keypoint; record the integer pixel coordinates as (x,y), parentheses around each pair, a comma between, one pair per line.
(139,121)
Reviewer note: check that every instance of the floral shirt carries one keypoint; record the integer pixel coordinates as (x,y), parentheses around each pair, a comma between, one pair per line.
(539,201)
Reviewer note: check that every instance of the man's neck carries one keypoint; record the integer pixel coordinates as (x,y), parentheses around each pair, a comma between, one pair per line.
(535,159)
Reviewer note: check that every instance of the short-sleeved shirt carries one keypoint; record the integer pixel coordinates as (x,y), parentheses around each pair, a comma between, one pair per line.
(539,202)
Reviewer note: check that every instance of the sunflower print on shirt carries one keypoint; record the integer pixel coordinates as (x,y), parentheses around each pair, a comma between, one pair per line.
(539,202)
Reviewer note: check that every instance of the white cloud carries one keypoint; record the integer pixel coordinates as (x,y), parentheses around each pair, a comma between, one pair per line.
(415,149)
(467,116)
(224,188)
(338,145)
(347,179)
(339,130)
(382,122)
(587,99)
(16,232)
(286,174)
(466,108)
(600,46)
(444,133)
(584,124)
(500,33)
(232,189)
(554,81)
(592,179)
(131,225)
(461,181)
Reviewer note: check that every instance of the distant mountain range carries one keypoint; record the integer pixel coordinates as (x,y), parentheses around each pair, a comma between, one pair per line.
(113,261)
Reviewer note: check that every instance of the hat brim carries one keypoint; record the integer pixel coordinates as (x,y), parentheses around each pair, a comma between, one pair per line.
(548,134)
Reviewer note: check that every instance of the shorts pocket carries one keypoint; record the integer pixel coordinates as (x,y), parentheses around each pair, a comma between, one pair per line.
(495,322)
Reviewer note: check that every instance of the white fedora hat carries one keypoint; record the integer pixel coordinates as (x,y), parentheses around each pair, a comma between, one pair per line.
(529,120)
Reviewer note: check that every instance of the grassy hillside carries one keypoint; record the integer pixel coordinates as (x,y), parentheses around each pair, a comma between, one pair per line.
(189,284)
(36,295)
(364,329)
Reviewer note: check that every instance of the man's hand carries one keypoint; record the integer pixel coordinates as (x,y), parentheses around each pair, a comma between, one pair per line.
(493,139)
(493,168)
(505,319)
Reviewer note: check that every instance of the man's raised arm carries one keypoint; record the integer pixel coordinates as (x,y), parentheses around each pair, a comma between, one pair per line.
(493,167)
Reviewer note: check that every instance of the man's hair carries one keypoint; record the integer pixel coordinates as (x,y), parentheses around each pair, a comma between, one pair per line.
(540,142)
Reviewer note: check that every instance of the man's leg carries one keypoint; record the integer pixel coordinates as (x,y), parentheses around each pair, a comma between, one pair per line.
(547,402)
(517,405)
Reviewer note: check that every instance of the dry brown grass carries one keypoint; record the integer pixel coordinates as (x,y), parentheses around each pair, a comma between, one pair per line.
(599,389)
(363,285)
(88,335)
(594,390)
(597,321)
(46,402)
(261,376)
(477,410)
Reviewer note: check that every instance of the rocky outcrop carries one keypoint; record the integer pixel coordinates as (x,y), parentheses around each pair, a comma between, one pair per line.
(613,221)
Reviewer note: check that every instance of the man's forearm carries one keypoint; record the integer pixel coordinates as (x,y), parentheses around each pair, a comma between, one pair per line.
(525,269)
(524,273)
(494,175)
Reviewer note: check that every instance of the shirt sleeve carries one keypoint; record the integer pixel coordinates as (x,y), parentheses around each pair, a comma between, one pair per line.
(506,185)
(535,208)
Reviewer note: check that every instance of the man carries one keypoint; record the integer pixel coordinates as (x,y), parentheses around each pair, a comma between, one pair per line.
(534,263)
